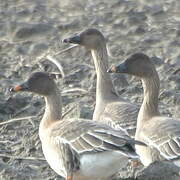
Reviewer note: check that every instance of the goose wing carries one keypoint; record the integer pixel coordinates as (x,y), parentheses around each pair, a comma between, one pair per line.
(90,136)
(121,115)
(164,135)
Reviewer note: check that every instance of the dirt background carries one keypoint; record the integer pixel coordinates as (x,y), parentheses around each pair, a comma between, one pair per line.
(30,30)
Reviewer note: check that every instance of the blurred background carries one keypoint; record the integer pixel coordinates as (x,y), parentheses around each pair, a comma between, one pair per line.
(32,31)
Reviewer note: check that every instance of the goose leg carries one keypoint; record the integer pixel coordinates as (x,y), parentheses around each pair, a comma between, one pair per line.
(135,163)
(69,177)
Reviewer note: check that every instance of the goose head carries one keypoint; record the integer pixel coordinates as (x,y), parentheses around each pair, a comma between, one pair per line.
(90,38)
(138,64)
(41,83)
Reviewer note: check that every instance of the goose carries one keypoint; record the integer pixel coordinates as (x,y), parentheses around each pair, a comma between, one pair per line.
(161,134)
(110,108)
(76,149)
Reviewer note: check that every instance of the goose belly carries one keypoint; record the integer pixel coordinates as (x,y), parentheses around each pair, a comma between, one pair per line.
(144,154)
(103,164)
(148,155)
(54,159)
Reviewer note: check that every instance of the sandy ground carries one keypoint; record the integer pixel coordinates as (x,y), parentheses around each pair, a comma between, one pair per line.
(29,30)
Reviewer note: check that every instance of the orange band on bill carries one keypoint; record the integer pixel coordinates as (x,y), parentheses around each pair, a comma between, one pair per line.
(17,88)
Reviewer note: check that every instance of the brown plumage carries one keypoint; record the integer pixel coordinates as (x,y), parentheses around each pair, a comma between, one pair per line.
(162,134)
(110,108)
(75,148)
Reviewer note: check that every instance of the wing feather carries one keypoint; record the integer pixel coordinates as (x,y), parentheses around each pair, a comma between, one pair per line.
(90,136)
(165,137)
(121,115)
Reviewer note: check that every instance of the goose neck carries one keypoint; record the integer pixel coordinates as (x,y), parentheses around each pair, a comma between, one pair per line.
(149,107)
(53,110)
(104,85)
